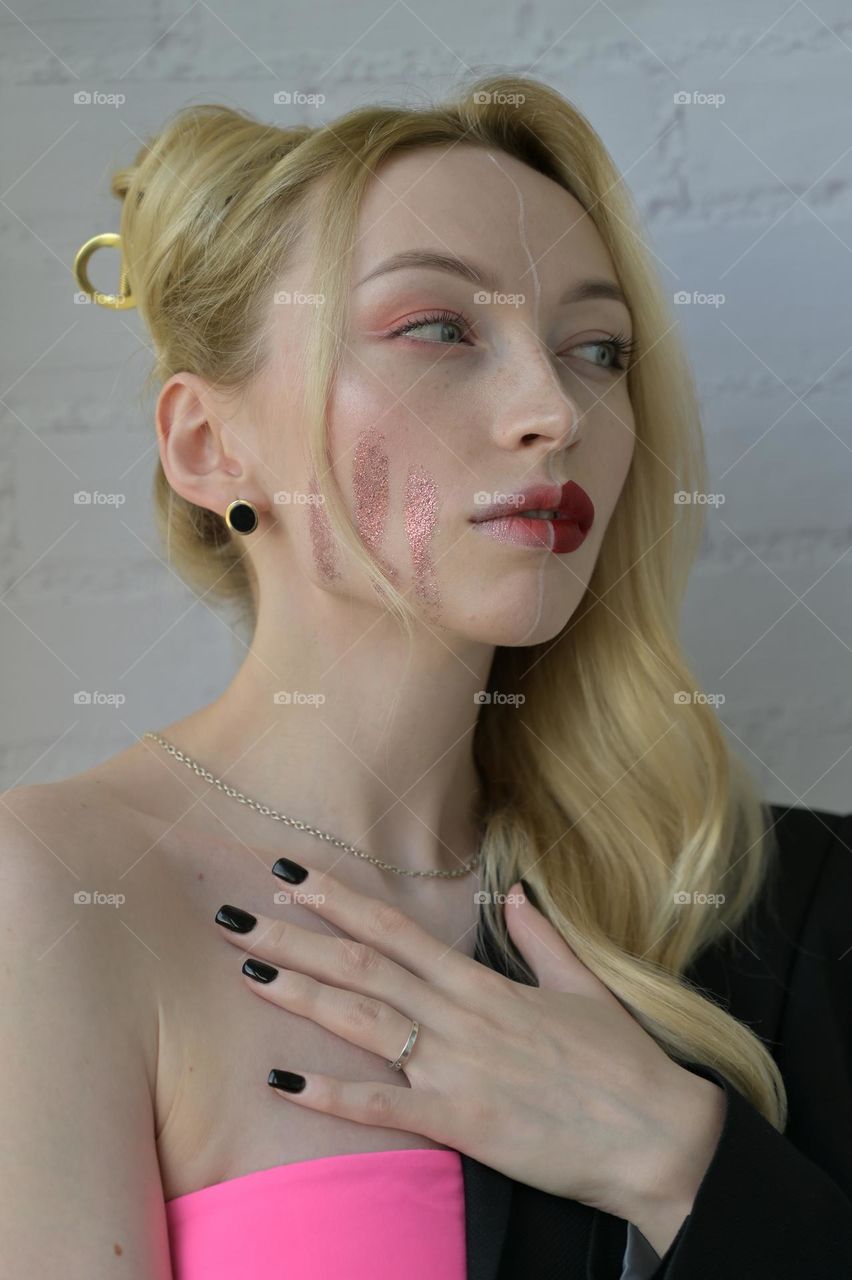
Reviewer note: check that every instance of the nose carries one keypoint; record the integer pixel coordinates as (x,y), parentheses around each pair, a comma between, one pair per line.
(544,423)
(541,433)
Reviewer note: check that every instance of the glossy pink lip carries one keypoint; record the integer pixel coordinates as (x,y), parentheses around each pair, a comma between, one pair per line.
(569,501)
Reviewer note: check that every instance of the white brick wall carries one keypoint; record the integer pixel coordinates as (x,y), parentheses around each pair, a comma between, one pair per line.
(752,199)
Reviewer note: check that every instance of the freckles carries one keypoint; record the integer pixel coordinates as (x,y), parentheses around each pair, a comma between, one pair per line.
(371,485)
(421,514)
(322,537)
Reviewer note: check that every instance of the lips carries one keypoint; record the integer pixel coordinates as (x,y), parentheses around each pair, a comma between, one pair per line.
(569,501)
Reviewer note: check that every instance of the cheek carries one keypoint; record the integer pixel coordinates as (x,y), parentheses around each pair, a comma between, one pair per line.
(324,550)
(413,412)
(613,457)
(386,461)
(394,504)
(371,494)
(626,447)
(421,516)
(370,486)
(396,508)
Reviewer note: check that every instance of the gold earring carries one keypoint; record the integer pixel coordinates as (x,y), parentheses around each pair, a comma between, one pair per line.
(241,516)
(124,298)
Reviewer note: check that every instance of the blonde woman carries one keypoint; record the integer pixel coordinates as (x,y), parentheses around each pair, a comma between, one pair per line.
(527,980)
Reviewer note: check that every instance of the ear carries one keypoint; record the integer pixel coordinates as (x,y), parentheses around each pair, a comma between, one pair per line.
(195,447)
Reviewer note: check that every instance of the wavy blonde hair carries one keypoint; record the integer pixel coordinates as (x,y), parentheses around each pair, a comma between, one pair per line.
(608,795)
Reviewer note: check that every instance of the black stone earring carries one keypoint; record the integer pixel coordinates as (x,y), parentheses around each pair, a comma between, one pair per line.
(241,516)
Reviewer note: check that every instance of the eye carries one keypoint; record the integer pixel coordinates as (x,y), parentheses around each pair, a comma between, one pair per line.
(440,320)
(617,348)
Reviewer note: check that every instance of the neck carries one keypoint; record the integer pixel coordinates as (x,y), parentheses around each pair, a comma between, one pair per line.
(374,746)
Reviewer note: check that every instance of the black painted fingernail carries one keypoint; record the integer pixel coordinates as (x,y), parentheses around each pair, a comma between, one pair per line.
(286,1080)
(259,971)
(289,871)
(235,918)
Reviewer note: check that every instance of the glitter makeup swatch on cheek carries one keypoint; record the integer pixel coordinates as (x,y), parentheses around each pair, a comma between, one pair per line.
(370,481)
(421,514)
(322,536)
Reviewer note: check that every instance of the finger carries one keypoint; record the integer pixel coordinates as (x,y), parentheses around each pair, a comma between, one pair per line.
(553,961)
(370,1024)
(390,1106)
(341,962)
(383,925)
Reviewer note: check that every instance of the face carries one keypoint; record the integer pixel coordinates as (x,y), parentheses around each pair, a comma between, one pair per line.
(456,398)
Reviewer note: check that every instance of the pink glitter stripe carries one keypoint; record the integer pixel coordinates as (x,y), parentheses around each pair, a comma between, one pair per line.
(322,537)
(421,514)
(372,493)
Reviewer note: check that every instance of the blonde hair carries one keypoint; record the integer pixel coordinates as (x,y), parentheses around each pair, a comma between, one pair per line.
(609,794)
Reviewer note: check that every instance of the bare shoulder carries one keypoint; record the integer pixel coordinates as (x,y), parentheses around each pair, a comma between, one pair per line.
(64,851)
(77,981)
(69,826)
(48,822)
(92,814)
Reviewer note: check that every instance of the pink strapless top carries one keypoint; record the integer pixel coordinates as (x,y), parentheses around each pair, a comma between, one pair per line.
(380,1215)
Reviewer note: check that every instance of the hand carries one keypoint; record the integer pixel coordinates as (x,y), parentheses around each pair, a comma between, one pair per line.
(557,1086)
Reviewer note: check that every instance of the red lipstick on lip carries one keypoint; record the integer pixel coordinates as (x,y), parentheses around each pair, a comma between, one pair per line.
(574,509)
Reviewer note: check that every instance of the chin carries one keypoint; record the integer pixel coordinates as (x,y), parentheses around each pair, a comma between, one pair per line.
(529,623)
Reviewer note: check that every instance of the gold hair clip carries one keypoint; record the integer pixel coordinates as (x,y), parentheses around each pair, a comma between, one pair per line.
(124,298)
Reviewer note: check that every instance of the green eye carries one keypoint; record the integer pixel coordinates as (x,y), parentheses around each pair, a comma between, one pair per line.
(447,319)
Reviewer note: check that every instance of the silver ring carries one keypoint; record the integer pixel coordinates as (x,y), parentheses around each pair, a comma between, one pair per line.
(409,1045)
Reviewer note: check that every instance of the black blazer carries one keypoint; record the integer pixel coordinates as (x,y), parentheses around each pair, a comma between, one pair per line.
(771,1206)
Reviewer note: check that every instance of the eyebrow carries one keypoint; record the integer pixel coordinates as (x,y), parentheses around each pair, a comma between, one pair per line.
(580,291)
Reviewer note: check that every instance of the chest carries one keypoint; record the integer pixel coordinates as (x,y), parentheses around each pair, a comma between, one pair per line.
(216,1116)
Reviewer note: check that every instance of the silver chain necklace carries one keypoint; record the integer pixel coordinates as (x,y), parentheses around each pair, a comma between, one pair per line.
(304,826)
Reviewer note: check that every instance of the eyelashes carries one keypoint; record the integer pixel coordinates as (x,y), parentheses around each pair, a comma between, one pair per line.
(433,317)
(623,348)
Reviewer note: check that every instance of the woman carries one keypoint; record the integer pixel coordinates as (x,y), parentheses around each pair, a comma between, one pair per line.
(423,419)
